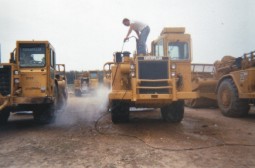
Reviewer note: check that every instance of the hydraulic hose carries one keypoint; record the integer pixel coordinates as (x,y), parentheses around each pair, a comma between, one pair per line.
(4,104)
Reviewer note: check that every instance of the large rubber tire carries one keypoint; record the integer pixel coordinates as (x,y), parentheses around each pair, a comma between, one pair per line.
(77,93)
(174,112)
(4,116)
(44,114)
(119,112)
(229,102)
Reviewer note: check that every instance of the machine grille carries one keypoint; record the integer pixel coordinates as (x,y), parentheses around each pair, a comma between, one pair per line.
(5,80)
(153,70)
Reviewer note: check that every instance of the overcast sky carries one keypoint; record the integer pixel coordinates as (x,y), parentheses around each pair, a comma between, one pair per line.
(85,33)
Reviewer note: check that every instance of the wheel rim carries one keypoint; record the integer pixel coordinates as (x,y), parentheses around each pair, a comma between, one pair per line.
(226,97)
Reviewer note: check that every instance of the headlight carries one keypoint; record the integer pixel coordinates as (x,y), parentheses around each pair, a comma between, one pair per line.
(173,74)
(16,72)
(132,74)
(132,67)
(43,89)
(173,66)
(16,80)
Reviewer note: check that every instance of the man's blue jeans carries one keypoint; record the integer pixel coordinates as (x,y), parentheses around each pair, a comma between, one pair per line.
(141,44)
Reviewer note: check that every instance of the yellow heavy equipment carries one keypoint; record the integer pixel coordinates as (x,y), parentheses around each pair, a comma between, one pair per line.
(95,79)
(235,88)
(161,79)
(231,84)
(204,83)
(81,84)
(32,81)
(88,82)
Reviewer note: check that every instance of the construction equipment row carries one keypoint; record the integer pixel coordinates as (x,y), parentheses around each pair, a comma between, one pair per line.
(163,78)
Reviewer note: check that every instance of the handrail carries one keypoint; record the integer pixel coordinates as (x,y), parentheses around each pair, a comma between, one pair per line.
(154,80)
(158,87)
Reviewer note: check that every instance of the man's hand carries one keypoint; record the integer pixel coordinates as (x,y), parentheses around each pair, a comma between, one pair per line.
(126,39)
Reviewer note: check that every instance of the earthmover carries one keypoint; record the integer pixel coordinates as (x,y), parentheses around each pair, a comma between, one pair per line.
(88,82)
(81,84)
(203,82)
(235,88)
(161,79)
(32,81)
(95,79)
(231,84)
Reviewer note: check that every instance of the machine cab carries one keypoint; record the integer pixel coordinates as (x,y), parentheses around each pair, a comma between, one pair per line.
(36,63)
(176,45)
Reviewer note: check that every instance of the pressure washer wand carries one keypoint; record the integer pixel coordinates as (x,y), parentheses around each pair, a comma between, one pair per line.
(127,41)
(123,45)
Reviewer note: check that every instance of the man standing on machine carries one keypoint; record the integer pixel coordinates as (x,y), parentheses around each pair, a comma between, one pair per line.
(142,30)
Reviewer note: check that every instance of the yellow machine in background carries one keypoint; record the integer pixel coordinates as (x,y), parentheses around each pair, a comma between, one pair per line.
(231,84)
(88,82)
(204,83)
(81,84)
(236,84)
(161,79)
(95,79)
(32,81)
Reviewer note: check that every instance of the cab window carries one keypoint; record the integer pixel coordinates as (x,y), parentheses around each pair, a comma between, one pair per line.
(32,55)
(178,50)
(52,58)
(159,49)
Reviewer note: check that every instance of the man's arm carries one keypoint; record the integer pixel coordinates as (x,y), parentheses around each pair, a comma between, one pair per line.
(129,31)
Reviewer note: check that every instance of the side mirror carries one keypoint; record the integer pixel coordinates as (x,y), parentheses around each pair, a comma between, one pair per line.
(12,57)
(118,57)
(57,76)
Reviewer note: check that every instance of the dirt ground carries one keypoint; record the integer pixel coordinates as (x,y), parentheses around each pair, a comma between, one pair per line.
(84,136)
